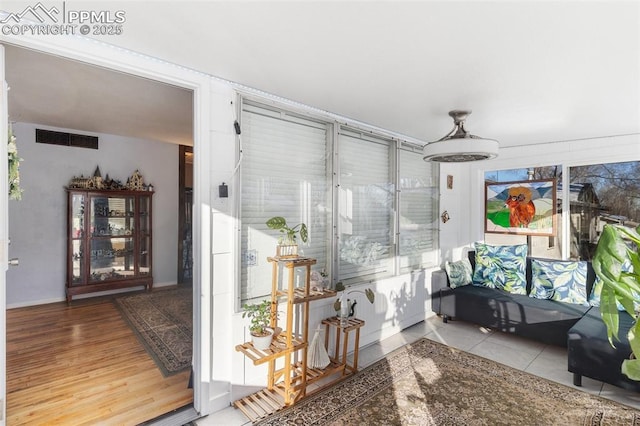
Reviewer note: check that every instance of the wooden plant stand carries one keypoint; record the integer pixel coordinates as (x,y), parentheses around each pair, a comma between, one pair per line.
(288,384)
(353,324)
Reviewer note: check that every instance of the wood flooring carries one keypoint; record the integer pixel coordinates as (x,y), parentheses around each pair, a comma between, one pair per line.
(82,365)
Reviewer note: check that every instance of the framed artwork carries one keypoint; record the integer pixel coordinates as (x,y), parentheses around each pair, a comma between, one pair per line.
(525,207)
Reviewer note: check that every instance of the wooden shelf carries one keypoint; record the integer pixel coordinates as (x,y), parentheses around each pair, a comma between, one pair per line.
(292,262)
(317,374)
(266,402)
(352,323)
(289,383)
(301,295)
(278,348)
(260,404)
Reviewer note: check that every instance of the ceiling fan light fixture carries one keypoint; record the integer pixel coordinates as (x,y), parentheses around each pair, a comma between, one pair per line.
(459,145)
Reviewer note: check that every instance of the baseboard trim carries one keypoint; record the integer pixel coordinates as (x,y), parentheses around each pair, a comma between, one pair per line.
(83,296)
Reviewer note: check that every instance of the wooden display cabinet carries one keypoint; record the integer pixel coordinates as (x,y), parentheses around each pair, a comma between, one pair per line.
(287,382)
(109,240)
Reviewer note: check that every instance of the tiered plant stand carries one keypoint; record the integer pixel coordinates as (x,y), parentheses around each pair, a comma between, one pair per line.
(288,384)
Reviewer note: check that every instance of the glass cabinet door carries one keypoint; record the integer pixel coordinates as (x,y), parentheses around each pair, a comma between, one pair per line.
(144,260)
(77,237)
(112,216)
(112,243)
(111,258)
(145,217)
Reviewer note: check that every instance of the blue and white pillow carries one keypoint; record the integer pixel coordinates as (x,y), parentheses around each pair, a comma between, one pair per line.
(502,267)
(459,272)
(564,281)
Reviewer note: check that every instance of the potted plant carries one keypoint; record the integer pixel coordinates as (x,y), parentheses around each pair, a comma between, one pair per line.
(620,283)
(260,316)
(287,244)
(344,307)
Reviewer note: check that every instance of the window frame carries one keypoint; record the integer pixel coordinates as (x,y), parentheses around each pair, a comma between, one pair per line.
(432,259)
(276,113)
(334,127)
(390,144)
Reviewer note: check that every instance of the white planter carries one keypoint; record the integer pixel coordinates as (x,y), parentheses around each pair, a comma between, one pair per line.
(286,251)
(262,342)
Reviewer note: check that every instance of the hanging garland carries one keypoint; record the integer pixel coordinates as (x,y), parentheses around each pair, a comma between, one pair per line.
(15,192)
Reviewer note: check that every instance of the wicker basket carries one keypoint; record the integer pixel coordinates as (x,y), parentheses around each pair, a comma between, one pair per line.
(287,251)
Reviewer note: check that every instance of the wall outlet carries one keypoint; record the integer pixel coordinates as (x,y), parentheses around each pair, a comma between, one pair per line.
(250,257)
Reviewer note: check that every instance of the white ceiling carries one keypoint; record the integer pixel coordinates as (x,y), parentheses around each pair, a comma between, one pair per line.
(52,91)
(531,72)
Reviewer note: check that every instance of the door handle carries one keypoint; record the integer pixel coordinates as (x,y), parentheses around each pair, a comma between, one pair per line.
(14,262)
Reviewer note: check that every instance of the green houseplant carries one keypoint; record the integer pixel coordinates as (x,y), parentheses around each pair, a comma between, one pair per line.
(287,244)
(610,263)
(290,233)
(344,307)
(15,192)
(260,316)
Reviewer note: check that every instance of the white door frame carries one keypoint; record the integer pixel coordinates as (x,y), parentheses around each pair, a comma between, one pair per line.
(110,57)
(4,240)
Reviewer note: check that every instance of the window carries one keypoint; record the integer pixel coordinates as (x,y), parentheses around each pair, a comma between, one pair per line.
(418,218)
(596,194)
(600,194)
(371,211)
(366,197)
(284,173)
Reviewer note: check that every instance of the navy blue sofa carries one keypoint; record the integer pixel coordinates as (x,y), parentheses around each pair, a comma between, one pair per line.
(578,328)
(590,354)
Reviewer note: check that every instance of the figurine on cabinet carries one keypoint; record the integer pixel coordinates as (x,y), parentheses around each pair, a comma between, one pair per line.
(135,182)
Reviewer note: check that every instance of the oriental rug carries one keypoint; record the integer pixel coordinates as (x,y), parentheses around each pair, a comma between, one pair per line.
(162,321)
(427,383)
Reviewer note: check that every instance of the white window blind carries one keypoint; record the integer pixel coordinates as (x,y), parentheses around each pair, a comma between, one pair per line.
(418,219)
(283,173)
(365,207)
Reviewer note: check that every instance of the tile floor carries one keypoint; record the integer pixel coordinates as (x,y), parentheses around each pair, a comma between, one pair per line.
(536,358)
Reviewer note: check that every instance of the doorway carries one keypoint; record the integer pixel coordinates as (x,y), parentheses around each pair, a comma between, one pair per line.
(43,176)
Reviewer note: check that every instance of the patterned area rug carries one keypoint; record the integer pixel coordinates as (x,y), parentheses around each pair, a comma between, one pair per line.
(427,383)
(162,320)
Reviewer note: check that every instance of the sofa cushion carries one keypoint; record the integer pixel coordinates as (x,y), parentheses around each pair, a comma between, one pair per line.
(564,281)
(459,272)
(502,267)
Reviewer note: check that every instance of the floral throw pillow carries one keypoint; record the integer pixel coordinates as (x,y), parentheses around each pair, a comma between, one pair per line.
(564,281)
(502,267)
(459,272)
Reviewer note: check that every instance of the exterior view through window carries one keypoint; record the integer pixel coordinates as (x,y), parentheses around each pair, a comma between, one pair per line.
(601,194)
(598,194)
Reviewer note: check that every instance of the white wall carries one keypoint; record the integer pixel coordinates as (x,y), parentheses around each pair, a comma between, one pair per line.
(38,223)
(454,235)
